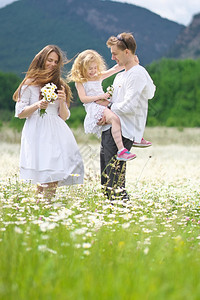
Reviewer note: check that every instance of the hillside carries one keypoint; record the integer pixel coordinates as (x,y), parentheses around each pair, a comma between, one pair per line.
(187,44)
(26,26)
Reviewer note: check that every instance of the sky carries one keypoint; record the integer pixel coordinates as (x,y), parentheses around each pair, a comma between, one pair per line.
(180,11)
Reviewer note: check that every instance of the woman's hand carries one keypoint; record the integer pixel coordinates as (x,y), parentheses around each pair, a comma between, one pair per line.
(61,94)
(63,110)
(42,104)
(30,109)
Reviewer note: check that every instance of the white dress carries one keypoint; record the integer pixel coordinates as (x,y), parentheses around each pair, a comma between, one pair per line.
(49,151)
(94,111)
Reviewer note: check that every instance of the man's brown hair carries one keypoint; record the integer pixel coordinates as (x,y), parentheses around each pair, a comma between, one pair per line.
(123,41)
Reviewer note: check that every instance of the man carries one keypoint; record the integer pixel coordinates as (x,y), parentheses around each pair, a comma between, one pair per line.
(132,89)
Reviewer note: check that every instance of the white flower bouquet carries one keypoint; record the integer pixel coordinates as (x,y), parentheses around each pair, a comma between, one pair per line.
(110,90)
(49,95)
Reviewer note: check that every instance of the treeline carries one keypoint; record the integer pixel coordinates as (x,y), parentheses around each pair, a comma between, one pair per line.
(177,97)
(176,102)
(8,84)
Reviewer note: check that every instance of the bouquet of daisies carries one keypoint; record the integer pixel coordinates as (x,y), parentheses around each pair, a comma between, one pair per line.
(110,90)
(49,95)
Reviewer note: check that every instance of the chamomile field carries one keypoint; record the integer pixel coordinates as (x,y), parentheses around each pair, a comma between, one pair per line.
(79,246)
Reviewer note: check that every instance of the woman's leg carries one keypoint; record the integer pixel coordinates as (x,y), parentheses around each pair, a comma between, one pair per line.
(48,190)
(40,189)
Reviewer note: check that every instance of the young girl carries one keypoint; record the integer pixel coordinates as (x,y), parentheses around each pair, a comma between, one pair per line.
(49,154)
(88,71)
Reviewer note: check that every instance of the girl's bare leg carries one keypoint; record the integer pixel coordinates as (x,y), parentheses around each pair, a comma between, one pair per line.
(112,118)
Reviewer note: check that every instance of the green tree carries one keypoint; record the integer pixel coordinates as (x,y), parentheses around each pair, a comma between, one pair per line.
(8,84)
(176,101)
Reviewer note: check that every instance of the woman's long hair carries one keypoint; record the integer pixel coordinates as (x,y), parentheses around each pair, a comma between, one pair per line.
(38,75)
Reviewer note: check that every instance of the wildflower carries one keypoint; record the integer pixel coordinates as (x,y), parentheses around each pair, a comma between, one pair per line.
(110,90)
(146,230)
(126,225)
(18,230)
(48,93)
(52,251)
(3,229)
(86,245)
(47,226)
(42,248)
(45,237)
(75,175)
(121,244)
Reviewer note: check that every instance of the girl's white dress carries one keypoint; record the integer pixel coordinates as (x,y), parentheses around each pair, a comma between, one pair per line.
(49,151)
(94,111)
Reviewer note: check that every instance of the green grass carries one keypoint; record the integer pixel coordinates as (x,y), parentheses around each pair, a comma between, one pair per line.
(80,246)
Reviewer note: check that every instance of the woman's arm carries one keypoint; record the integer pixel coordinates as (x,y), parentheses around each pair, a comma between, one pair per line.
(30,109)
(88,99)
(23,107)
(63,109)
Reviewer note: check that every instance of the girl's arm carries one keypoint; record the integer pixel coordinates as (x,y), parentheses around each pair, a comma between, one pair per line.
(88,99)
(111,71)
(115,69)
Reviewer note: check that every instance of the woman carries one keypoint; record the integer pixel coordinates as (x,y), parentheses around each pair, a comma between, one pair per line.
(49,154)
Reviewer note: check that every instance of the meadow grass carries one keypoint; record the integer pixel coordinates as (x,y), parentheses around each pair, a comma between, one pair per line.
(80,246)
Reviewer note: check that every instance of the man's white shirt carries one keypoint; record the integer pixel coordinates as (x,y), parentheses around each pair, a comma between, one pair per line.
(132,90)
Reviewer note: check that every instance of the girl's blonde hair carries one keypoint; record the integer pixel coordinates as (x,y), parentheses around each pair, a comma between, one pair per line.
(38,75)
(78,72)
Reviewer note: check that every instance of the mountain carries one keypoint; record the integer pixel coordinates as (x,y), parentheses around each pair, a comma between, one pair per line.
(187,44)
(26,26)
